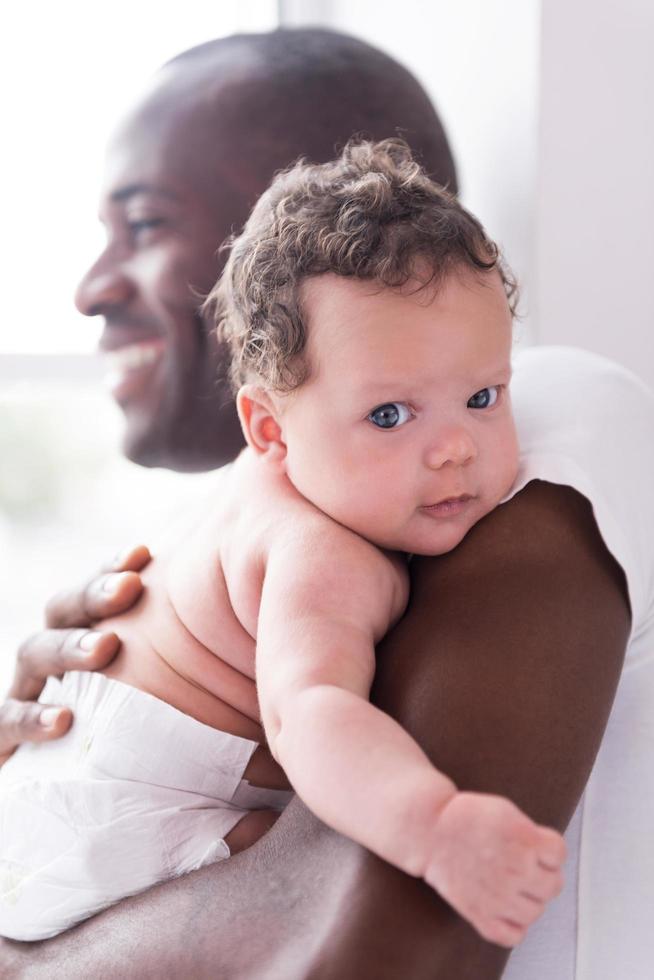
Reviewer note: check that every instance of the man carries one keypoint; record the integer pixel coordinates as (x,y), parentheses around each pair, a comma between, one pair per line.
(304,902)
(183,172)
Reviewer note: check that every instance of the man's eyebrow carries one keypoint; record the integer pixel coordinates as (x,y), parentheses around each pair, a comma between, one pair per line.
(131,190)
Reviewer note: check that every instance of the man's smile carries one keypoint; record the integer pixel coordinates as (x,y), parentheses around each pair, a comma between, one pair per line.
(129,368)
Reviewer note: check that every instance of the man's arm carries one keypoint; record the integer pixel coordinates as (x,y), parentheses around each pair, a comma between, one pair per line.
(504,669)
(324,604)
(517,641)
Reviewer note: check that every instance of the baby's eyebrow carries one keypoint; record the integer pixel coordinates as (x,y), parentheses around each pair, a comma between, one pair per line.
(379,384)
(501,369)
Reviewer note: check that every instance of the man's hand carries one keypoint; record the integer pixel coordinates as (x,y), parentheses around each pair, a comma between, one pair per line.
(67,643)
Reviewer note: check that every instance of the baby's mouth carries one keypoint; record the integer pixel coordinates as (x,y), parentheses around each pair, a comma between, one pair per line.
(449,506)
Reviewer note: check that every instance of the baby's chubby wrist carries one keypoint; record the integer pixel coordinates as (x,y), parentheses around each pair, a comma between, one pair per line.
(429,798)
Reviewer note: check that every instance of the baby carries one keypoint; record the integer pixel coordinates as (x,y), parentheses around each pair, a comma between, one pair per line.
(369,319)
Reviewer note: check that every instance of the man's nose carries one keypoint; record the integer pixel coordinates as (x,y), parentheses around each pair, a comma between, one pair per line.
(453,445)
(103,286)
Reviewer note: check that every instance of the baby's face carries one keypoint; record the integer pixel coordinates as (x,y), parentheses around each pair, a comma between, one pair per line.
(404,431)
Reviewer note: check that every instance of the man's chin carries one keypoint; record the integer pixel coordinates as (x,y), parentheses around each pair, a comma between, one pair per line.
(144,452)
(200,436)
(147,442)
(184,452)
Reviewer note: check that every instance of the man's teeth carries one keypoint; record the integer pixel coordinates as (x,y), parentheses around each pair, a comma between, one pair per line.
(133,356)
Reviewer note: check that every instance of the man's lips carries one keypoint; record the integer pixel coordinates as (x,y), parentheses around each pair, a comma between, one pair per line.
(129,366)
(449,506)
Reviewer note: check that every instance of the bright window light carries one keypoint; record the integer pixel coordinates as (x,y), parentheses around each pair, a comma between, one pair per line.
(68,70)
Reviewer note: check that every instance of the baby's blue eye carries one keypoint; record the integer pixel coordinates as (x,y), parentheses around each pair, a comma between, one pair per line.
(390,415)
(485,398)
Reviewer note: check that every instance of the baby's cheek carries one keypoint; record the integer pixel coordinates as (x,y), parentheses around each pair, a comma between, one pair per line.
(511,473)
(509,454)
(503,477)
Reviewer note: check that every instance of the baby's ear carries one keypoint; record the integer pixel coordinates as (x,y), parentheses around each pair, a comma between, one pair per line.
(259,417)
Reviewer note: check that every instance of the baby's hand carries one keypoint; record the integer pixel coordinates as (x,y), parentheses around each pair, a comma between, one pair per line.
(494,865)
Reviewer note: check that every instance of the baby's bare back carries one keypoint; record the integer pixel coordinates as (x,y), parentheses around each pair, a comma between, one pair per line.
(190,640)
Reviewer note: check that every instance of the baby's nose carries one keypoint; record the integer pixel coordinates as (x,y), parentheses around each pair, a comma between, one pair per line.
(454,446)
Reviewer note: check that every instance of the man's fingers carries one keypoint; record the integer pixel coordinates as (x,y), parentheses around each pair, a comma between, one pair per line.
(113,590)
(24,721)
(63,647)
(56,651)
(106,595)
(131,560)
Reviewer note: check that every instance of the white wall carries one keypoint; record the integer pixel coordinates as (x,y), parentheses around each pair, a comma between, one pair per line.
(550,116)
(478,60)
(595,284)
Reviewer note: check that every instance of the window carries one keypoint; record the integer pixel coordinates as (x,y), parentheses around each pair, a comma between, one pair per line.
(67,497)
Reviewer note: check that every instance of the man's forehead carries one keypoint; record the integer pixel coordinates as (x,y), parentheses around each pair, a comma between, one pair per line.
(209,101)
(170,141)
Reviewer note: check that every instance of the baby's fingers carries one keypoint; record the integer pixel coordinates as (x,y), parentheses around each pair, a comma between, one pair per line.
(543,885)
(523,909)
(551,850)
(502,932)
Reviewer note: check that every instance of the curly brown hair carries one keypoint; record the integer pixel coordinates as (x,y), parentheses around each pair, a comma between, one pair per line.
(371,214)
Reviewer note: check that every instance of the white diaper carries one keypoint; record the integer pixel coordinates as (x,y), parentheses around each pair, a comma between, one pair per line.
(136,792)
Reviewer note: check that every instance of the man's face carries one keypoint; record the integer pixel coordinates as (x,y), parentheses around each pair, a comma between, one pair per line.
(165,221)
(403,431)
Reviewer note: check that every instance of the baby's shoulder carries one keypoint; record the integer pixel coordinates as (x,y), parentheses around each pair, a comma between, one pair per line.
(327,556)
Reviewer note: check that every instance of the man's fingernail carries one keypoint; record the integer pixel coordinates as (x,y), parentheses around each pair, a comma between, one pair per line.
(121,558)
(111,583)
(48,717)
(89,640)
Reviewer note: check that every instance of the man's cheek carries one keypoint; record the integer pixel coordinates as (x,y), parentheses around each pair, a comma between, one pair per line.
(173,279)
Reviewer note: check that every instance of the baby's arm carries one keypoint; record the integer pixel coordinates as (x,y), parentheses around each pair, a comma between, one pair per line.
(325,602)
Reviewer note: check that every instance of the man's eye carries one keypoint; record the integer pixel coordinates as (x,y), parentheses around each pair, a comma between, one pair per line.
(485,398)
(142,226)
(390,415)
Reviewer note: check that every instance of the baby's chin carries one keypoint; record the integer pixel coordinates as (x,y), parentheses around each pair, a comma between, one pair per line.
(430,544)
(439,537)
(425,551)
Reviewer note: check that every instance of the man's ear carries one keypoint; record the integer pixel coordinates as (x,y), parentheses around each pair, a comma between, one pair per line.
(259,418)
